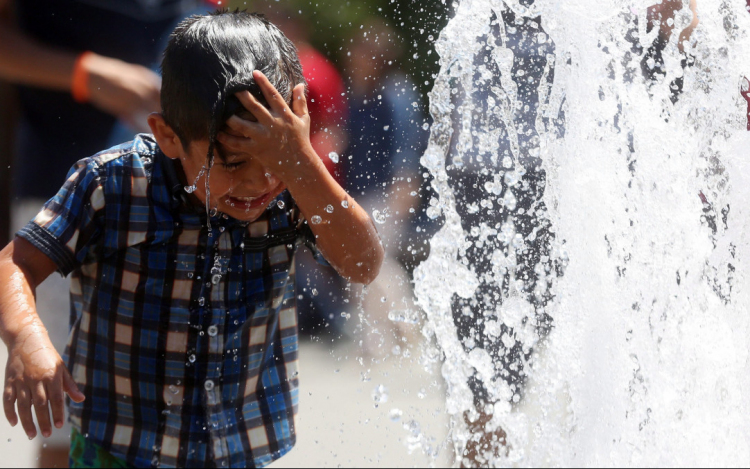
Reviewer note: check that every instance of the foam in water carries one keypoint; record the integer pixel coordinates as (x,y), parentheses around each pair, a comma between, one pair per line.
(647,182)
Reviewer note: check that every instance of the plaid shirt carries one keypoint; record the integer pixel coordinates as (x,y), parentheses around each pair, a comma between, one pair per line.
(183,340)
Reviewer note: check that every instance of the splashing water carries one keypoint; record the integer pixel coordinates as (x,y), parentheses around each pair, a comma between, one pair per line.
(589,287)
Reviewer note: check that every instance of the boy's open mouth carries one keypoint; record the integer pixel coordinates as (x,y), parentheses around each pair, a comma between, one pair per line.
(249,203)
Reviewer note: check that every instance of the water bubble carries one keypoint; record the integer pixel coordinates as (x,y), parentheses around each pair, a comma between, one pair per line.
(509,201)
(316,220)
(281,204)
(507,162)
(334,157)
(380,394)
(511,178)
(192,358)
(329,209)
(406,316)
(395,415)
(379,217)
(173,389)
(433,213)
(396,350)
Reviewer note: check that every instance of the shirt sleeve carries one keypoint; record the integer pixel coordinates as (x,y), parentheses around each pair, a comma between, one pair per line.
(67,227)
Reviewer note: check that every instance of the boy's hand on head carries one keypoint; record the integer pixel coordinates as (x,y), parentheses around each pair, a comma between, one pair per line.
(36,377)
(280,139)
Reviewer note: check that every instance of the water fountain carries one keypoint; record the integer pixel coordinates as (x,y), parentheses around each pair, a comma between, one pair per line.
(644,152)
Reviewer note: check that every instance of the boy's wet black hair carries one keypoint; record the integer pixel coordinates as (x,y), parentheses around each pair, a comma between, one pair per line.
(211,57)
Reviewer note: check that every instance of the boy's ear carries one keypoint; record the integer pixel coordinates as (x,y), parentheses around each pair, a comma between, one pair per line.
(167,139)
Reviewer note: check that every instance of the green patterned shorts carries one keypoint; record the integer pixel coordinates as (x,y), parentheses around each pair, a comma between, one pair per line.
(85,454)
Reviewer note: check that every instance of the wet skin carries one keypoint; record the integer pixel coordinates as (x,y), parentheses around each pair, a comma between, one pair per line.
(266,152)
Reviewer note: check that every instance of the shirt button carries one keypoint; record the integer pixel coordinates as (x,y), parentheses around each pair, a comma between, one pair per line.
(209,385)
(213,331)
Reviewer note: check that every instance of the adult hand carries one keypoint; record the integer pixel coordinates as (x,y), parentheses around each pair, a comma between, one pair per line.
(665,14)
(36,376)
(126,91)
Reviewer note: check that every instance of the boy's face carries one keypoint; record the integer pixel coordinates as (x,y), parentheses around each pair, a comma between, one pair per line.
(240,187)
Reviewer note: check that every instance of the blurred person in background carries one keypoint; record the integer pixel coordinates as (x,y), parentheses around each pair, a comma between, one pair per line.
(496,172)
(80,70)
(387,141)
(321,288)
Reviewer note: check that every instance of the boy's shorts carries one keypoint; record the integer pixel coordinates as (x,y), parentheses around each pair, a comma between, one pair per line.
(84,454)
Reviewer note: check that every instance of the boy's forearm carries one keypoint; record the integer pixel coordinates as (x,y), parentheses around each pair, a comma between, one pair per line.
(18,315)
(17,304)
(346,236)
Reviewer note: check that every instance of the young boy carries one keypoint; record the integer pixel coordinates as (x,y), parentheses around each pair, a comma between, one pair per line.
(183,349)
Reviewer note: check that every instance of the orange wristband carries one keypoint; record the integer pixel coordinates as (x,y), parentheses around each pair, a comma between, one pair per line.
(80,86)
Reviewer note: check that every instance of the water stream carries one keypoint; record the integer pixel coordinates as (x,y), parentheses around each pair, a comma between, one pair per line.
(591,274)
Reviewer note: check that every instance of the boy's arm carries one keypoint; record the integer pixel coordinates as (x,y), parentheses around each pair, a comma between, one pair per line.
(35,375)
(280,140)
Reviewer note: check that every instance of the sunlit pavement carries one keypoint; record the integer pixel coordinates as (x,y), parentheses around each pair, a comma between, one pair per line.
(339,424)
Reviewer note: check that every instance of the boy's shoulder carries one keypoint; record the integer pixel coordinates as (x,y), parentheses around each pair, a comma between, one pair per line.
(141,150)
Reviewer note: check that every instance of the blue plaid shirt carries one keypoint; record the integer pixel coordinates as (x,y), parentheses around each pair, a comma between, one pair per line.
(183,339)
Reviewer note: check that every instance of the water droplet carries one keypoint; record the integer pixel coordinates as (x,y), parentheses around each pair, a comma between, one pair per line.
(395,415)
(379,217)
(329,209)
(405,316)
(507,162)
(380,394)
(334,157)
(345,203)
(316,220)
(191,358)
(173,389)
(280,204)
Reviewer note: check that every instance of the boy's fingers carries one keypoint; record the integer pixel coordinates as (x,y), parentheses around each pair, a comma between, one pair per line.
(274,98)
(24,410)
(9,405)
(57,400)
(255,107)
(41,406)
(299,101)
(69,386)
(245,128)
(235,143)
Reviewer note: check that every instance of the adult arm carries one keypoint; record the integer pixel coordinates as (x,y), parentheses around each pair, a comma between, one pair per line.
(35,374)
(126,91)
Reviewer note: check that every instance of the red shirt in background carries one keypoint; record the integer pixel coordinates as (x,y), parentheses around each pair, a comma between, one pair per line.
(327,105)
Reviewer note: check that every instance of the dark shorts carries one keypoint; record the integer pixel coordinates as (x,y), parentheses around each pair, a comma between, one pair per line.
(529,278)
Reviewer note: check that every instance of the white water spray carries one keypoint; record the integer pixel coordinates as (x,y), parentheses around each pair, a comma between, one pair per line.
(646,191)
